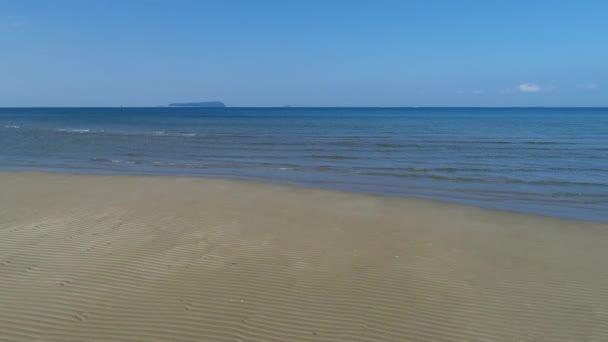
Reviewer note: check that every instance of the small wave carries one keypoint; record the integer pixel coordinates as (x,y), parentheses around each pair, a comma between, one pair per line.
(480,179)
(545,143)
(12,126)
(421,176)
(447,169)
(316,150)
(81,131)
(431,169)
(125,133)
(117,161)
(332,157)
(577,194)
(175,165)
(470,142)
(492,142)
(325,168)
(105,160)
(387,145)
(168,134)
(343,143)
(133,162)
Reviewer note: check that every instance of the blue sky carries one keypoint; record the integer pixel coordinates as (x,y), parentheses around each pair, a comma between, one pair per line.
(304,53)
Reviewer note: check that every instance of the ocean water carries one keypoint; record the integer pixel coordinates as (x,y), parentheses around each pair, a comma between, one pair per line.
(551,161)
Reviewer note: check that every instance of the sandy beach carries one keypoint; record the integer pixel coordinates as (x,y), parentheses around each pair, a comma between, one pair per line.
(125,258)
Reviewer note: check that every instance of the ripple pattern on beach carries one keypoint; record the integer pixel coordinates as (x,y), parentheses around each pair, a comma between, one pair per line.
(86,258)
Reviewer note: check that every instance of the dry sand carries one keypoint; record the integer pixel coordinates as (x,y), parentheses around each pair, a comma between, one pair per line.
(113,258)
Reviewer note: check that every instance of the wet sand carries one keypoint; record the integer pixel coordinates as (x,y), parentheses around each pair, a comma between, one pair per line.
(119,258)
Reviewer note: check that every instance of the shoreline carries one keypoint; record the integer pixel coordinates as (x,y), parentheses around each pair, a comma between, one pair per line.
(89,257)
(245,179)
(479,158)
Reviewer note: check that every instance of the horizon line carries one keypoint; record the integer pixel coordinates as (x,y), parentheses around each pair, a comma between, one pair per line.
(302,107)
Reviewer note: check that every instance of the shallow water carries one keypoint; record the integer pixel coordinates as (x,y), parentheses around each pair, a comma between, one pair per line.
(551,161)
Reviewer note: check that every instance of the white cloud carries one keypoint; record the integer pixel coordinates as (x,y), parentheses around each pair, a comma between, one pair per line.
(477,92)
(529,88)
(587,86)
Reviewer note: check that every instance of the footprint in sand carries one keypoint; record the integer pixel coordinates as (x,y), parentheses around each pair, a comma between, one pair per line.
(187,305)
(81,316)
(6,262)
(65,282)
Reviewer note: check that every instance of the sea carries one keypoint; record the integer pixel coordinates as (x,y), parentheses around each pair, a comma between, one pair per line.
(548,161)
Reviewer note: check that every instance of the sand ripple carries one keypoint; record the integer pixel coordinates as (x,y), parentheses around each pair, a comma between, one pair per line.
(94,258)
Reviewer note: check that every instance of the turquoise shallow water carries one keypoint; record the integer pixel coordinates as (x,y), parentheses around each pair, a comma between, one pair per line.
(551,161)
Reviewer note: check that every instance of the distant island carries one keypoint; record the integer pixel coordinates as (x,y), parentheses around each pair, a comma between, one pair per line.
(217,104)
